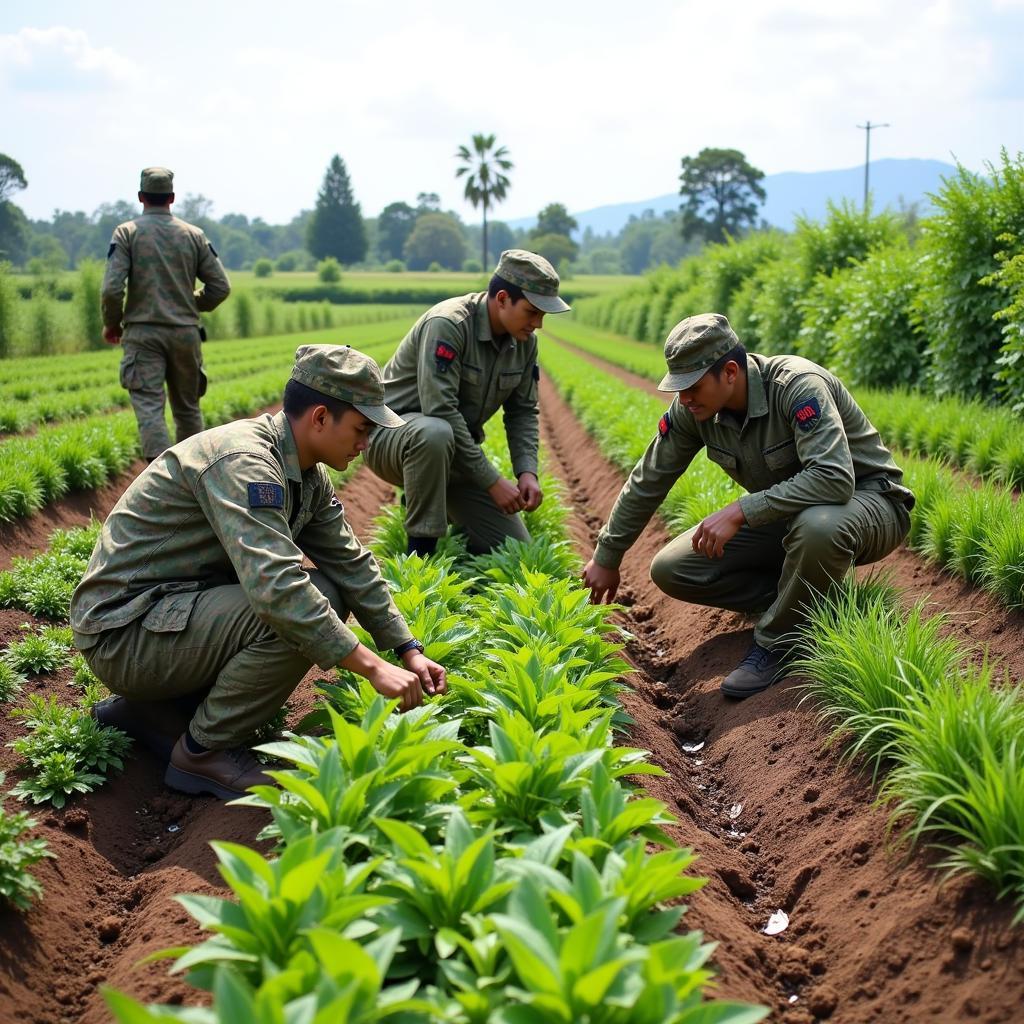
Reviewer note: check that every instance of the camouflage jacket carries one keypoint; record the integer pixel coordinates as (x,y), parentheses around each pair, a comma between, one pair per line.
(804,442)
(451,366)
(159,257)
(230,505)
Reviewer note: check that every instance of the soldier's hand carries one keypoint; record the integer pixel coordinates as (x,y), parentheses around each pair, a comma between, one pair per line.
(433,678)
(711,536)
(112,336)
(603,583)
(391,681)
(506,496)
(529,491)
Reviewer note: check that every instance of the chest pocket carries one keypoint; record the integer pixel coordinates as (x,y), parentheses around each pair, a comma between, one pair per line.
(471,375)
(170,614)
(727,460)
(782,457)
(508,381)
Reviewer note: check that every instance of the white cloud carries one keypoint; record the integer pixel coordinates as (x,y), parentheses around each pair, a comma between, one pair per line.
(59,59)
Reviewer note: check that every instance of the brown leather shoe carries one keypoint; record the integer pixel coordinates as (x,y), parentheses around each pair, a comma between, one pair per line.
(224,773)
(154,724)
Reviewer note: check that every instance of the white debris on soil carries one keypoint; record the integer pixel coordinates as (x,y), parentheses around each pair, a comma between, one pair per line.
(692,748)
(778,922)
(735,811)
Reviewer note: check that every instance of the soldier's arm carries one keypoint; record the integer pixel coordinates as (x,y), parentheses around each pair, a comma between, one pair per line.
(666,459)
(329,541)
(438,375)
(827,476)
(242,495)
(522,419)
(115,278)
(210,271)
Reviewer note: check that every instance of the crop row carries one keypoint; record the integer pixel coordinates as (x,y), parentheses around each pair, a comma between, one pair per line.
(975,532)
(84,454)
(985,439)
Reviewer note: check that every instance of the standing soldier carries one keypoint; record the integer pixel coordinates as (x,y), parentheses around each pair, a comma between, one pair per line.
(462,361)
(197,609)
(159,257)
(824,492)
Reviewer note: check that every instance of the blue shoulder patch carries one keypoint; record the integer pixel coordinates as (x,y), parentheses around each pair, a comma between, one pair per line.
(266,495)
(806,412)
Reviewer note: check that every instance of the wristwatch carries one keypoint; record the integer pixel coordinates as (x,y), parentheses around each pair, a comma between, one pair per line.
(409,645)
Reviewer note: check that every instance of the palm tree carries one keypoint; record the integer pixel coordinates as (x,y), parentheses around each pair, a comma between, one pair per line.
(485,182)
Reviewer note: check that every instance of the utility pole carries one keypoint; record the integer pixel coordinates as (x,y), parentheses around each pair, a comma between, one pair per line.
(867,156)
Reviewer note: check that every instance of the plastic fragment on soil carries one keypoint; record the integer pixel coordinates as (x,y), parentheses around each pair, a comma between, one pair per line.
(692,748)
(173,828)
(735,811)
(778,922)
(793,999)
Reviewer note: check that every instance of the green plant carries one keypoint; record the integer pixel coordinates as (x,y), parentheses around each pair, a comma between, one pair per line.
(11,681)
(45,651)
(17,855)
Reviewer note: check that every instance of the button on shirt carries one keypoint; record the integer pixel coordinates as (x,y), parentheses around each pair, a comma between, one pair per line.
(451,366)
(232,505)
(804,441)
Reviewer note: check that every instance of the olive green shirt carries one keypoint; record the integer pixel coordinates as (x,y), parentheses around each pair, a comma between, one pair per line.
(231,505)
(451,366)
(804,442)
(159,258)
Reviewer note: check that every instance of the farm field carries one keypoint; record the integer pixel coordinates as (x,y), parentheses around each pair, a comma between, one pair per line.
(778,819)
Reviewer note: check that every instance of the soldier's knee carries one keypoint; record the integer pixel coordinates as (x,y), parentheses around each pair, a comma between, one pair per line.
(816,531)
(663,571)
(433,433)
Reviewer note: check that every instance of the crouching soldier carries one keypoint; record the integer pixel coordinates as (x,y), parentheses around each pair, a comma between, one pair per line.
(196,596)
(824,492)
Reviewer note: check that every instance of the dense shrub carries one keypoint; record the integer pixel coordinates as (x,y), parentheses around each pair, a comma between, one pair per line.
(820,308)
(262,268)
(87,299)
(329,270)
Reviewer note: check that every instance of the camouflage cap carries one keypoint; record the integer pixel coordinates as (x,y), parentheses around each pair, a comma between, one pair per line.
(350,376)
(535,275)
(693,347)
(157,180)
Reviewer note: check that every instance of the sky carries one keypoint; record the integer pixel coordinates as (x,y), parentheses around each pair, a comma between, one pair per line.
(596,102)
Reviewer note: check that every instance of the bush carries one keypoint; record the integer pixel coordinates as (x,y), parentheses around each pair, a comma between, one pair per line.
(243,315)
(775,308)
(472,266)
(435,267)
(1010,277)
(42,324)
(820,308)
(90,315)
(394,266)
(262,268)
(8,310)
(329,270)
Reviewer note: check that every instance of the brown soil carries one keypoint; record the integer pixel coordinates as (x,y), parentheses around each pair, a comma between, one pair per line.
(872,937)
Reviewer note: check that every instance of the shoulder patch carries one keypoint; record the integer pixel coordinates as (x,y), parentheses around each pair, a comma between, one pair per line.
(214,251)
(665,424)
(536,371)
(266,495)
(806,413)
(110,251)
(444,355)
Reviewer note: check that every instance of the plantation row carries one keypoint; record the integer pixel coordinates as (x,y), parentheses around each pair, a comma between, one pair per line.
(882,300)
(84,454)
(976,532)
(881,675)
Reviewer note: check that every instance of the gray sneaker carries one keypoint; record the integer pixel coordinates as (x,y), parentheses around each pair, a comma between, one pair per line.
(757,671)
(222,773)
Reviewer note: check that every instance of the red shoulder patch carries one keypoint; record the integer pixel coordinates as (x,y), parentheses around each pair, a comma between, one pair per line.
(445,352)
(665,424)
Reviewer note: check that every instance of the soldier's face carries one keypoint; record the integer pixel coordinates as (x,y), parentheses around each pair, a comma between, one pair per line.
(345,438)
(519,319)
(710,395)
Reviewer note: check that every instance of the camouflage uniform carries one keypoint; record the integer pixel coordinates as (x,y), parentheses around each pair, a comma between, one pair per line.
(824,492)
(159,257)
(448,377)
(197,579)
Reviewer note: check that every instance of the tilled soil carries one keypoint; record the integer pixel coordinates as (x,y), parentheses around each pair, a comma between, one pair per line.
(777,821)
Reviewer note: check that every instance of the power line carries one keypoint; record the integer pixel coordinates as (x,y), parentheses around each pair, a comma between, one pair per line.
(867,155)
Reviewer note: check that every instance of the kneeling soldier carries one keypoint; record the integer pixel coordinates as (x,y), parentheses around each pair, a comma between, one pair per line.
(462,361)
(196,594)
(824,492)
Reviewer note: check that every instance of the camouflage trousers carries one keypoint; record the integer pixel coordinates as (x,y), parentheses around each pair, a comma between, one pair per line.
(418,458)
(779,569)
(237,668)
(152,355)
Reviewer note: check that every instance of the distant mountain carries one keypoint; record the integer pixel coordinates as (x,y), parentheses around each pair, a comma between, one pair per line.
(795,192)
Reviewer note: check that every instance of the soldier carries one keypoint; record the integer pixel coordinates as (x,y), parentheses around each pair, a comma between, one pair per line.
(462,361)
(824,492)
(160,257)
(196,598)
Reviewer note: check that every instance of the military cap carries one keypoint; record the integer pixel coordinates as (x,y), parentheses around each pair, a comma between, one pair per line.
(341,372)
(535,275)
(157,180)
(693,347)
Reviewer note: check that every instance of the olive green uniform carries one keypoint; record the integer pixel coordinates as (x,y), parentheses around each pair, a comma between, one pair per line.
(197,580)
(824,494)
(448,377)
(159,258)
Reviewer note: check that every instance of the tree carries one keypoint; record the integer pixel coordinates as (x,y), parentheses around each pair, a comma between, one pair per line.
(394,226)
(486,183)
(555,248)
(437,238)
(428,202)
(12,177)
(336,227)
(195,207)
(721,193)
(554,219)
